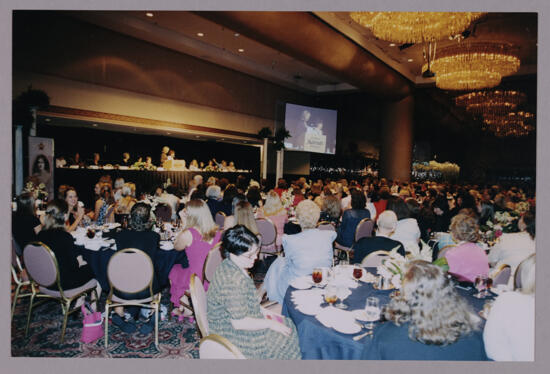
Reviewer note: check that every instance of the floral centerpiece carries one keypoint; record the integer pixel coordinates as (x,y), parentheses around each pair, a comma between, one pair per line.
(143,166)
(392,269)
(287,198)
(503,222)
(37,189)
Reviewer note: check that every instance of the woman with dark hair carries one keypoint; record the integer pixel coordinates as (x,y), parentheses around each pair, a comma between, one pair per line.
(513,248)
(407,230)
(442,215)
(233,307)
(76,211)
(254,197)
(55,236)
(282,186)
(25,225)
(41,170)
(330,210)
(140,236)
(380,199)
(351,218)
(104,205)
(227,199)
(428,321)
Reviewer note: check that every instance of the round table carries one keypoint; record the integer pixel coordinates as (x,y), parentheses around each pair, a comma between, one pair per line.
(318,342)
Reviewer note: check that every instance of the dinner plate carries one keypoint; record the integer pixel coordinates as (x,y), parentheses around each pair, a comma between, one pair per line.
(347,327)
(361,315)
(309,309)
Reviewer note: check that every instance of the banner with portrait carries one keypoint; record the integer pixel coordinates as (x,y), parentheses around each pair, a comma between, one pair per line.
(41,163)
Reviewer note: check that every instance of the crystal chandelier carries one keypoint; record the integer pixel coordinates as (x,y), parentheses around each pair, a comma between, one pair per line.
(511,124)
(472,66)
(496,102)
(415,27)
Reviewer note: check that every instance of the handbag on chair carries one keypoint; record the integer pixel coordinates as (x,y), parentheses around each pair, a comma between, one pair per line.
(92,324)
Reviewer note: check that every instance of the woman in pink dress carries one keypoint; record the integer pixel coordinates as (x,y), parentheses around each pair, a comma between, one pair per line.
(200,235)
(274,211)
(467,260)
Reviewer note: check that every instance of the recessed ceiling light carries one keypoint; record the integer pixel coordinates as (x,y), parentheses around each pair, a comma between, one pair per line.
(241,50)
(392,44)
(200,34)
(236,34)
(168,133)
(149,14)
(410,60)
(196,136)
(47,120)
(223,139)
(94,124)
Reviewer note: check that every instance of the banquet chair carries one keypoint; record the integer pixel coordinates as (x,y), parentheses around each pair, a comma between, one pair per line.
(375,258)
(217,347)
(364,229)
(444,250)
(163,212)
(198,300)
(213,259)
(326,225)
(43,271)
(131,270)
(219,218)
(268,233)
(517,277)
(501,275)
(19,275)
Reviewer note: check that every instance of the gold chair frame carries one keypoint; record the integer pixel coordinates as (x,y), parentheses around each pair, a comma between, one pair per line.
(16,272)
(214,248)
(375,253)
(277,253)
(153,304)
(225,343)
(63,300)
(193,299)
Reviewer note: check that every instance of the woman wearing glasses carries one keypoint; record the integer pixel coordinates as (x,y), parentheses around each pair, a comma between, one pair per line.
(234,311)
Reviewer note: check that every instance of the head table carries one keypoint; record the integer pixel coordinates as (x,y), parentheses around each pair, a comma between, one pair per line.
(318,342)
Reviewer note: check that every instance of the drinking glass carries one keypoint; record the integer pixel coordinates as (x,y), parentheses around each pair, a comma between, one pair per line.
(488,285)
(341,294)
(372,310)
(90,233)
(357,272)
(330,295)
(317,276)
(480,285)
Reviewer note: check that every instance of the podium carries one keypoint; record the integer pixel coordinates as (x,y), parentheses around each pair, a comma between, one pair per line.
(315,142)
(174,165)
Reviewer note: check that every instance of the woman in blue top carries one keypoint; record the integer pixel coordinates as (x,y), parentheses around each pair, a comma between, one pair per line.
(428,321)
(351,218)
(303,252)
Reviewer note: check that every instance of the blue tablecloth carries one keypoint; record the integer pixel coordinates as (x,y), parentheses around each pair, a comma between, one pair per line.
(318,342)
(163,261)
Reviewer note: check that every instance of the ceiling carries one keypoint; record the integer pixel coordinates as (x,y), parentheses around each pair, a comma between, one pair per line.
(197,34)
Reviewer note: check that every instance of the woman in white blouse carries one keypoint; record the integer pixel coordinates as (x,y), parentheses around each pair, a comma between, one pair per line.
(509,333)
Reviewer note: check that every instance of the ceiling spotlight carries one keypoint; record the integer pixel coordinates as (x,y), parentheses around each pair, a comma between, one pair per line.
(200,34)
(410,60)
(94,124)
(241,50)
(236,34)
(47,119)
(168,133)
(149,14)
(392,44)
(196,136)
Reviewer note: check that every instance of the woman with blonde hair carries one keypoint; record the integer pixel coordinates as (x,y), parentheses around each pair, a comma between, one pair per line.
(305,251)
(429,321)
(467,260)
(199,236)
(128,199)
(274,211)
(331,209)
(509,333)
(243,215)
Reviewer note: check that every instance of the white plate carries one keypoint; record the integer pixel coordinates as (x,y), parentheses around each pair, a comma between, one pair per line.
(361,315)
(309,309)
(302,283)
(347,327)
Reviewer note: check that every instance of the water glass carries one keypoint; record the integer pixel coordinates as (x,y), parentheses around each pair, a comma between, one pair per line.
(372,310)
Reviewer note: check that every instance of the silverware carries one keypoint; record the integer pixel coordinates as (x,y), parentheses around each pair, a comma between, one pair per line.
(359,337)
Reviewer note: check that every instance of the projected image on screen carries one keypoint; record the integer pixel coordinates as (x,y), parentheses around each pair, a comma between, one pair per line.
(311,129)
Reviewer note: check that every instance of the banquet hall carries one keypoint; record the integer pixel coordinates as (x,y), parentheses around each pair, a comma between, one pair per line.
(273,185)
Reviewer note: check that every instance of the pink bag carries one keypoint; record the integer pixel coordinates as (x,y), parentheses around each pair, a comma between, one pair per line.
(92,328)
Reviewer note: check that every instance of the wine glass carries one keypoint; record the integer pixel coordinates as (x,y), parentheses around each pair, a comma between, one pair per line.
(330,295)
(341,293)
(480,285)
(90,233)
(372,310)
(488,285)
(317,276)
(357,273)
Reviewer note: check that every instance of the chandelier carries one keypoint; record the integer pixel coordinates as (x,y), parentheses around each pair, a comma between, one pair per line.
(496,102)
(472,66)
(511,124)
(415,27)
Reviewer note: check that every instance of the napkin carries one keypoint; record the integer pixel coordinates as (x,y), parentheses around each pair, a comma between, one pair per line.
(166,245)
(302,283)
(308,301)
(95,244)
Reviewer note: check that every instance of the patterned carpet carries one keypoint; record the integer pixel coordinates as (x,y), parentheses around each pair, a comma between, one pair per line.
(176,339)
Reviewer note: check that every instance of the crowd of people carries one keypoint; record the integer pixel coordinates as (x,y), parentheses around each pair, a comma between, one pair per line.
(428,314)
